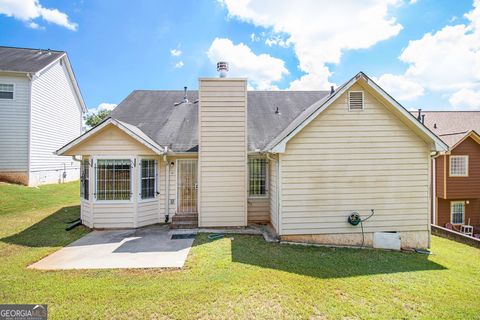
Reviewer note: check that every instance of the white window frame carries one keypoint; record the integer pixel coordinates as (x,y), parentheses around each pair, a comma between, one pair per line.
(87,160)
(267,178)
(95,159)
(450,166)
(13,92)
(157,178)
(452,204)
(363,101)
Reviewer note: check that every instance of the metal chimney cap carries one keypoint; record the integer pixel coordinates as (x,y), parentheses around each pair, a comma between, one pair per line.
(222,68)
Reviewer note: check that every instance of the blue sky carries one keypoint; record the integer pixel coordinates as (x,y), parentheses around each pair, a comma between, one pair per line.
(116,47)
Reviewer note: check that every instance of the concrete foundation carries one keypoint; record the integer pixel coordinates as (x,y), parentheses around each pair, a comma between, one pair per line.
(19,177)
(53,176)
(408,240)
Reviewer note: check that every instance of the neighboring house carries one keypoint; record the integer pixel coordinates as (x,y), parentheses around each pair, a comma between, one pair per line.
(302,161)
(457,173)
(41,109)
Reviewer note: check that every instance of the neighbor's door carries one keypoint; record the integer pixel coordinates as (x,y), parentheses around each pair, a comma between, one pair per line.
(187,186)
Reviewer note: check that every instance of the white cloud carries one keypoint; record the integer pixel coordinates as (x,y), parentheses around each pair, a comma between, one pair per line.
(175,52)
(254,37)
(103,106)
(400,87)
(261,70)
(35,25)
(28,10)
(277,40)
(465,98)
(178,65)
(446,62)
(319,31)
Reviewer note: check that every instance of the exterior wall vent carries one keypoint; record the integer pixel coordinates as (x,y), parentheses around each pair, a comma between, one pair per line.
(355,100)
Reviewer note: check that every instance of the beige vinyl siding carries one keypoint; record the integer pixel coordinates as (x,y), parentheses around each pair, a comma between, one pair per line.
(273,182)
(223,152)
(86,213)
(148,212)
(56,119)
(14,124)
(110,141)
(258,210)
(113,215)
(346,161)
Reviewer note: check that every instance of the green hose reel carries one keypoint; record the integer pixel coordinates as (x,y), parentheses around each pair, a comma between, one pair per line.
(354,219)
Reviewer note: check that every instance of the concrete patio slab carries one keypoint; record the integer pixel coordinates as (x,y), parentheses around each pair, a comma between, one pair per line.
(150,247)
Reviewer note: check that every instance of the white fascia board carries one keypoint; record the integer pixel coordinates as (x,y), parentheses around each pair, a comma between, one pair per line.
(439,144)
(278,145)
(156,148)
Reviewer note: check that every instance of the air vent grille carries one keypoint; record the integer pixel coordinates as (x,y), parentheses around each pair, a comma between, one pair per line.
(355,100)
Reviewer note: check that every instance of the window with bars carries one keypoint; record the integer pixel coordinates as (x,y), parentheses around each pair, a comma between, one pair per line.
(113,179)
(457,212)
(6,91)
(84,169)
(148,178)
(257,169)
(458,166)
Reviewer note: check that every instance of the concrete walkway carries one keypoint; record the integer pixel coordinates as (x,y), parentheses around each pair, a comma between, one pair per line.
(150,247)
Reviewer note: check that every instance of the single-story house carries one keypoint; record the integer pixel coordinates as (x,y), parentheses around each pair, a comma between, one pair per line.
(302,161)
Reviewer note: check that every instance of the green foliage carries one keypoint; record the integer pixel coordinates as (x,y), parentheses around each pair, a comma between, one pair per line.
(236,277)
(94,118)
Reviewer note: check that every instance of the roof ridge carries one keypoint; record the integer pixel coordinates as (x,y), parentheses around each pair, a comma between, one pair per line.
(35,49)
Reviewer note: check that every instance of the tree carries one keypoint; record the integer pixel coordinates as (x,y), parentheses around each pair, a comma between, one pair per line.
(95,118)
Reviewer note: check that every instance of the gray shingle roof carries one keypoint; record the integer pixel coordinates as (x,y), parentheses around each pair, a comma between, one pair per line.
(451,126)
(26,60)
(154,113)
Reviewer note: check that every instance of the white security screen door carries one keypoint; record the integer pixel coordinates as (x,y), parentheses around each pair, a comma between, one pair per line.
(187,186)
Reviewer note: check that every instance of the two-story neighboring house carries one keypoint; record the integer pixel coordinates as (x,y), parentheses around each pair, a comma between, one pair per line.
(41,109)
(457,173)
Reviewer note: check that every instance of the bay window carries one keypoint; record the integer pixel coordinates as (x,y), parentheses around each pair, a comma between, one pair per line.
(84,180)
(113,179)
(148,177)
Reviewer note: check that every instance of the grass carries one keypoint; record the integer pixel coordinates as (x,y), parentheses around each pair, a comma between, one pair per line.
(239,277)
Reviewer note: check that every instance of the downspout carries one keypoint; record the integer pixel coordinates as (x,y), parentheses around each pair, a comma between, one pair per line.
(434,187)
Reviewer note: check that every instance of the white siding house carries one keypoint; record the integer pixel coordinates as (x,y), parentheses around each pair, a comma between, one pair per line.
(303,162)
(44,113)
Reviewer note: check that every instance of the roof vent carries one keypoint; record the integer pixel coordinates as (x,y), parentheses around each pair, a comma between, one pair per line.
(355,100)
(332,90)
(222,68)
(277,111)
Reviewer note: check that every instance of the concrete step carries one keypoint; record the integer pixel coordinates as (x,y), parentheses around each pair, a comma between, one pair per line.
(183,225)
(184,221)
(185,217)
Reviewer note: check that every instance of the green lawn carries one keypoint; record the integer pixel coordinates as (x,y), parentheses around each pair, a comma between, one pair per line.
(240,277)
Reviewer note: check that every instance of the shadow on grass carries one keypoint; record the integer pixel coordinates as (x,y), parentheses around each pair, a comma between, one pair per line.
(49,232)
(326,262)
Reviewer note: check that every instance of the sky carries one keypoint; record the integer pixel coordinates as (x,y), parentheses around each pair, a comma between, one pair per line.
(425,53)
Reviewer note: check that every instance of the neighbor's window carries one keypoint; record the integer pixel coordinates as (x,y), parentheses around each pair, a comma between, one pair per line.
(457,212)
(6,91)
(84,168)
(257,169)
(148,179)
(113,179)
(458,166)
